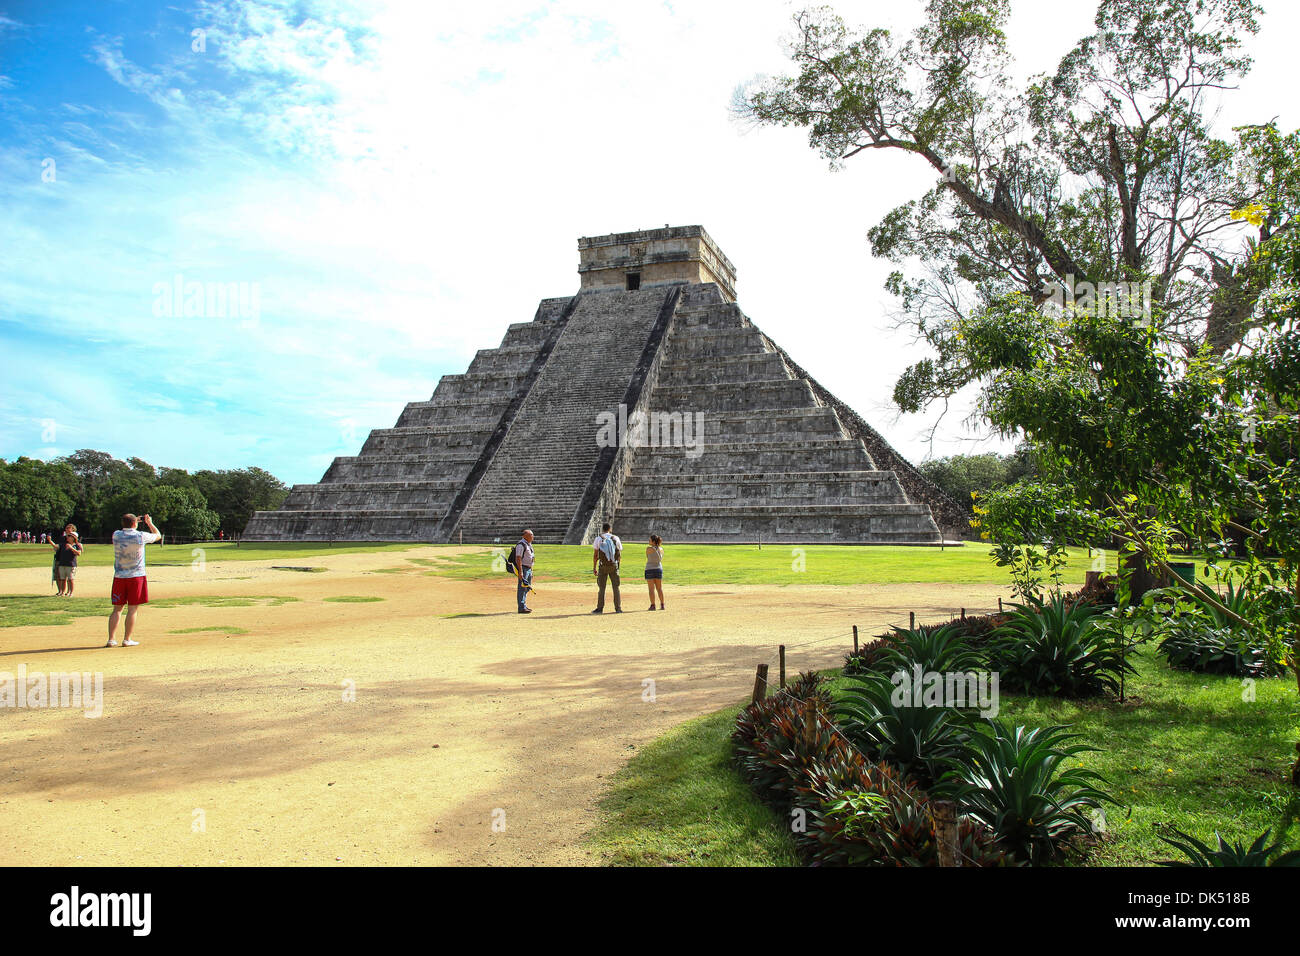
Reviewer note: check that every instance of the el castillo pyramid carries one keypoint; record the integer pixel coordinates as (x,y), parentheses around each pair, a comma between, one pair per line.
(647,399)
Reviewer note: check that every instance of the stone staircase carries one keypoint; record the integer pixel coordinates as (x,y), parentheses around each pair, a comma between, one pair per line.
(542,472)
(405,480)
(775,463)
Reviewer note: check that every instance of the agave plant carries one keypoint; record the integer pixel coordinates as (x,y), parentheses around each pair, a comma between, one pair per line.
(1014,781)
(1058,647)
(916,740)
(1229,854)
(937,650)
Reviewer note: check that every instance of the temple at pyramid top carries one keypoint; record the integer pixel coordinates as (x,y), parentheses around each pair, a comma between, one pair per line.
(648,399)
(652,257)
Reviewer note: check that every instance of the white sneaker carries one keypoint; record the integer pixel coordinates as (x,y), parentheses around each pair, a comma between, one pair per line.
(130,643)
(111,644)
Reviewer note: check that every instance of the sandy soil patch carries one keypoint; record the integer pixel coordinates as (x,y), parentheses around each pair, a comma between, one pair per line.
(457,722)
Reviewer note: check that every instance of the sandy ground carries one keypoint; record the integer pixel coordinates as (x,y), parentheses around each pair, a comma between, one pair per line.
(483,740)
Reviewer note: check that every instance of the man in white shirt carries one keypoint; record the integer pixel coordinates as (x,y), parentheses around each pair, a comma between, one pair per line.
(130,586)
(523,563)
(605,567)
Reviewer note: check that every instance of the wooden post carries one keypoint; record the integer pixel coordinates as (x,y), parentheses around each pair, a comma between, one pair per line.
(946,836)
(999,605)
(911,626)
(855,638)
(760,683)
(782,665)
(963,614)
(1090,578)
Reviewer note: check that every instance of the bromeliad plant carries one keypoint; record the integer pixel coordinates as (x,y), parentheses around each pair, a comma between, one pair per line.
(1059,647)
(1016,783)
(856,812)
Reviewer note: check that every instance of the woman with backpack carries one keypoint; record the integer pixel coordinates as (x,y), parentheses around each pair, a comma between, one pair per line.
(654,570)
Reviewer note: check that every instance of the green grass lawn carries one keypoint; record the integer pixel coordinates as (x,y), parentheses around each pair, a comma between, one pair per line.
(1185,751)
(22,610)
(101,555)
(679,803)
(701,564)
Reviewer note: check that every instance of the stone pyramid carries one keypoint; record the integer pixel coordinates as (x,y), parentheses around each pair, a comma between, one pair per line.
(647,399)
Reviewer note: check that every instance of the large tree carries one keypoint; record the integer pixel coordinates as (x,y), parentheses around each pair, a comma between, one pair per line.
(1116,279)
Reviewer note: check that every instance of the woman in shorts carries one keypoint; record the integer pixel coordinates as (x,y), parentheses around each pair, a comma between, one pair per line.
(654,570)
(66,553)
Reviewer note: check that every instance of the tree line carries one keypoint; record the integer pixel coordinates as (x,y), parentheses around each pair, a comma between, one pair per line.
(92,489)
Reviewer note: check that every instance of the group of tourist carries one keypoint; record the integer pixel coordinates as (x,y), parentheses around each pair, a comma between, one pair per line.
(130,585)
(606,559)
(24,537)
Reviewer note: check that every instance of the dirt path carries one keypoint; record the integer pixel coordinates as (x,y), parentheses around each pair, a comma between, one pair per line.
(217,748)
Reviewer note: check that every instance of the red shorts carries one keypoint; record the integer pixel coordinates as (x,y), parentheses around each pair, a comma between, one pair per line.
(130,591)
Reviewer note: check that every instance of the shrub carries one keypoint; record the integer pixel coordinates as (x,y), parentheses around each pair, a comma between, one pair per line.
(856,812)
(1099,594)
(868,659)
(940,649)
(1229,854)
(1196,635)
(976,632)
(914,739)
(1056,647)
(1014,783)
(1192,644)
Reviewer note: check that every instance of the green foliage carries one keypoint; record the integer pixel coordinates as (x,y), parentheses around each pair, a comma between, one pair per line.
(853,812)
(1058,647)
(936,649)
(968,477)
(1015,782)
(881,721)
(92,489)
(1179,417)
(34,495)
(1258,853)
(1193,644)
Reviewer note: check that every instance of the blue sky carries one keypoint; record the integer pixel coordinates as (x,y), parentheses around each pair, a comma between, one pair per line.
(399,182)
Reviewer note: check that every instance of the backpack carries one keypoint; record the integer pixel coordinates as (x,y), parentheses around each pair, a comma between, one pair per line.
(608,552)
(510,561)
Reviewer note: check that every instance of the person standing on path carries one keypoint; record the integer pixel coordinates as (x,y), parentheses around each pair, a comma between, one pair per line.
(66,553)
(130,586)
(606,553)
(654,570)
(523,562)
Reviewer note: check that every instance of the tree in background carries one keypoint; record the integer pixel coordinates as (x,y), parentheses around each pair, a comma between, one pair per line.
(967,477)
(35,496)
(93,489)
(236,494)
